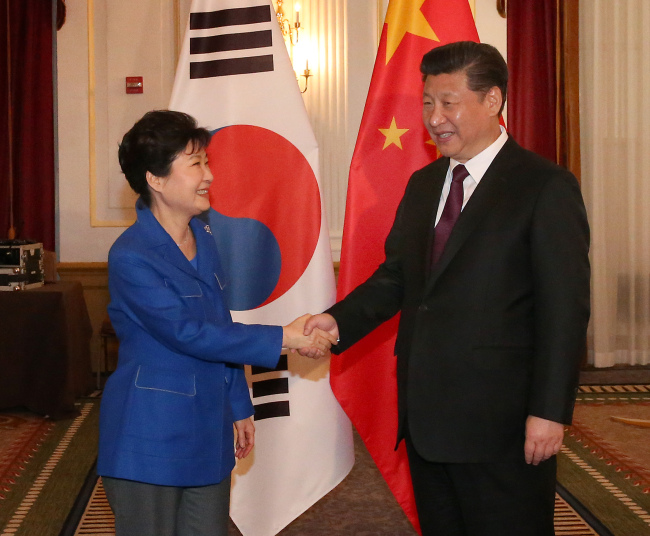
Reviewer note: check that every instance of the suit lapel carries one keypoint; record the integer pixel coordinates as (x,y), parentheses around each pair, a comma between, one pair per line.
(437,183)
(483,200)
(158,239)
(174,255)
(209,257)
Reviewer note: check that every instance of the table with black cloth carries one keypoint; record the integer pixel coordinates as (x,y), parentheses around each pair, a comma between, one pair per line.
(45,349)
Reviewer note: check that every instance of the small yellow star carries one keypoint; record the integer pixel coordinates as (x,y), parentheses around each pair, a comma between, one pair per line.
(393,134)
(402,17)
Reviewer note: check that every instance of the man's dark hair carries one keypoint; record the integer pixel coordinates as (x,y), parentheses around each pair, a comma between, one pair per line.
(153,143)
(482,63)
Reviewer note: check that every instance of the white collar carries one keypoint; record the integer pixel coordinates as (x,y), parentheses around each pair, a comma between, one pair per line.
(478,165)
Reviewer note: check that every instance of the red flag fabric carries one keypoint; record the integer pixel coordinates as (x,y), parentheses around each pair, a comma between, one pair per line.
(392,144)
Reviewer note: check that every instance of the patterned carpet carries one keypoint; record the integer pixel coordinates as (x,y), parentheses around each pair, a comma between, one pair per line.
(605,463)
(21,435)
(360,505)
(43,465)
(97,520)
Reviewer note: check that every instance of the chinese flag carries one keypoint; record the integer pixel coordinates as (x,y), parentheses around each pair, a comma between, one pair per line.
(391,145)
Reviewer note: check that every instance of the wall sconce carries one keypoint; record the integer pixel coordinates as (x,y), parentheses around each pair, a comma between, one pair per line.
(290,33)
(289,30)
(306,75)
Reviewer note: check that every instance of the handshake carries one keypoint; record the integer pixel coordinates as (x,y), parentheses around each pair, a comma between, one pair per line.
(311,335)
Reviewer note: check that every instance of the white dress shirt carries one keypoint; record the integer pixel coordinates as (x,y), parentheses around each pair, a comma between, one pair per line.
(476,167)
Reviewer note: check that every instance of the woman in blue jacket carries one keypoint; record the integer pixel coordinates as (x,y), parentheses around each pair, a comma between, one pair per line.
(167,444)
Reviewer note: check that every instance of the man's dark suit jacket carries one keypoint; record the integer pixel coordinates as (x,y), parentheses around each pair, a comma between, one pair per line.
(495,331)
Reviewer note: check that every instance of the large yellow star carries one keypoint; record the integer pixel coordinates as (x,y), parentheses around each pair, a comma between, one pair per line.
(393,134)
(402,17)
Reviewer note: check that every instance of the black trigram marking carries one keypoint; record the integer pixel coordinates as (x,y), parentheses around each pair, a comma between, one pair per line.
(276,386)
(283,364)
(222,43)
(272,409)
(272,386)
(230,17)
(243,40)
(209,69)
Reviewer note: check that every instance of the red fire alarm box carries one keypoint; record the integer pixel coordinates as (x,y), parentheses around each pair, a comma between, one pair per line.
(134,84)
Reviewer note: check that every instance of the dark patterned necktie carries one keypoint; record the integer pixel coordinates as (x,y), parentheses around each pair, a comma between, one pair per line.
(450,213)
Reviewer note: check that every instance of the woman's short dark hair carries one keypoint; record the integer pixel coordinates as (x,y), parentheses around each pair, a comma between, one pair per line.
(482,63)
(153,143)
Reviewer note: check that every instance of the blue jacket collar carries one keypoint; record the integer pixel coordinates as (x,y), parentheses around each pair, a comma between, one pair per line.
(156,237)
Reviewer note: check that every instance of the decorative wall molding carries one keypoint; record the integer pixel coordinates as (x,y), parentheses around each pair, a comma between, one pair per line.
(117,49)
(95,220)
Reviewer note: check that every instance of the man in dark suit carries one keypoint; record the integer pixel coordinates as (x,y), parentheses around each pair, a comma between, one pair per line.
(487,260)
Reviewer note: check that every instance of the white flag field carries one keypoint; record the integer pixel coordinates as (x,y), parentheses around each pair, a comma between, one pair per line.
(235,77)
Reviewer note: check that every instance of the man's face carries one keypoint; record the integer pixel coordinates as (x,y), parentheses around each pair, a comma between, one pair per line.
(460,121)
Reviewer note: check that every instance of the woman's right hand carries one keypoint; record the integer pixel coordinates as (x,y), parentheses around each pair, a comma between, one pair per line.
(293,337)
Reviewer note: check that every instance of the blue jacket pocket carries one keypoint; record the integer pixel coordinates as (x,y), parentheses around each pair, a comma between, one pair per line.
(168,381)
(161,411)
(186,288)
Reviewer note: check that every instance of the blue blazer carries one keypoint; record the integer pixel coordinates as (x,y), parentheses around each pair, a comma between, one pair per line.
(167,412)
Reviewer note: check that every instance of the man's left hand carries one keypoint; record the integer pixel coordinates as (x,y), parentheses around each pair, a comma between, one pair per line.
(543,439)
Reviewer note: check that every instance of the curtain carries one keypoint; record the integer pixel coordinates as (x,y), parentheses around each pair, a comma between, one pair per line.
(532,35)
(614,82)
(568,86)
(31,111)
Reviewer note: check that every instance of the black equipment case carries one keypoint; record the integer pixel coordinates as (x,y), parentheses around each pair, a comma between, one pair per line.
(21,265)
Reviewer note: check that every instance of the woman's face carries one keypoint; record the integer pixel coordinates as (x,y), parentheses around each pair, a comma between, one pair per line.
(185,189)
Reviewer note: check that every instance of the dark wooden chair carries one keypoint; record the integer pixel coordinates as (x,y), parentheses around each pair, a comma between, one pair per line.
(107,333)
